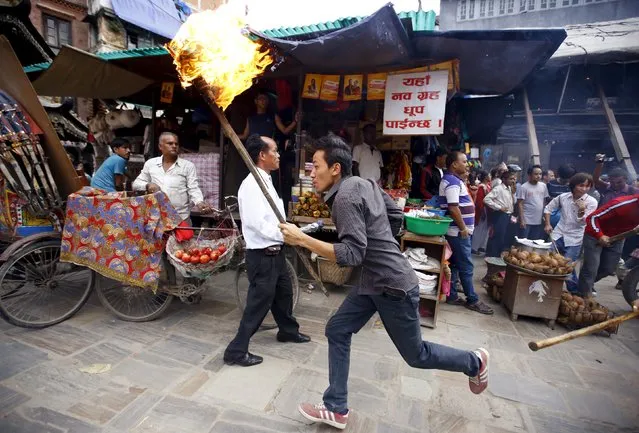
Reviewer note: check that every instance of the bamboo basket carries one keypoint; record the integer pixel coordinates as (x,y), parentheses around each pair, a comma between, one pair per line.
(331,272)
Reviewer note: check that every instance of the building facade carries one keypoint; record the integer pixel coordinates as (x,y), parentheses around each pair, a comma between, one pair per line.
(504,14)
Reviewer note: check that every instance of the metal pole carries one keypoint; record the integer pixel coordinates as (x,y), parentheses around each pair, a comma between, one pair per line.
(209,97)
(616,136)
(532,134)
(563,90)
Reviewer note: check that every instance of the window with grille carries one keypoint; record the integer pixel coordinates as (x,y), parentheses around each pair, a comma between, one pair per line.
(462,10)
(575,2)
(531,5)
(544,4)
(57,32)
(491,7)
(511,6)
(482,8)
(471,9)
(502,7)
(522,5)
(552,3)
(565,3)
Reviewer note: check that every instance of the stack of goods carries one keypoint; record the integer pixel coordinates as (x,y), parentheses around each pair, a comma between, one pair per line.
(304,184)
(547,264)
(310,205)
(495,283)
(577,311)
(429,267)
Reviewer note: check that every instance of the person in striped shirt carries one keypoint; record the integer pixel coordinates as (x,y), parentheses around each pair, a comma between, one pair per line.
(460,207)
(601,256)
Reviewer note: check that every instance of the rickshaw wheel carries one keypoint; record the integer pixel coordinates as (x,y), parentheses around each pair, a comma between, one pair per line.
(242,284)
(130,303)
(37,290)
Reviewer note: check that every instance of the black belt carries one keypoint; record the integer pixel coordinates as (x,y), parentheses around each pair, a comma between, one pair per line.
(273,250)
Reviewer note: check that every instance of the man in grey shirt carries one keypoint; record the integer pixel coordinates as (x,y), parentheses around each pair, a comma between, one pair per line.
(363,215)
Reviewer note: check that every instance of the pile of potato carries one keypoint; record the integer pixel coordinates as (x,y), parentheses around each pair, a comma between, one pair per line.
(549,263)
(576,310)
(494,286)
(310,205)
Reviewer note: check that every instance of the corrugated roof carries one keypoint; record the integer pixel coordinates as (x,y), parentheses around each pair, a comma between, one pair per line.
(421,20)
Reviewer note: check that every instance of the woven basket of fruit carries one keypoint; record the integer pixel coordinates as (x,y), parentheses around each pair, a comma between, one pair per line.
(208,253)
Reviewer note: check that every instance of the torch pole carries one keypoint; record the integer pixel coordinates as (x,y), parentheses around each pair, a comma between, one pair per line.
(209,97)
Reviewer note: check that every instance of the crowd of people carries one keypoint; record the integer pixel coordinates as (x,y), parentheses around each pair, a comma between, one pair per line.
(574,210)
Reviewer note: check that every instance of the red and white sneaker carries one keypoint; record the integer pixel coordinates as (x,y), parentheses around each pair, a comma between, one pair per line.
(479,383)
(319,413)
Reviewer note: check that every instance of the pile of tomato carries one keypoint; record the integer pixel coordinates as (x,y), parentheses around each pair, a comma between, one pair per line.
(204,255)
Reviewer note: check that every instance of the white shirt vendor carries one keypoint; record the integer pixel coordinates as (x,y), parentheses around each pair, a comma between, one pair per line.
(179,183)
(369,160)
(259,223)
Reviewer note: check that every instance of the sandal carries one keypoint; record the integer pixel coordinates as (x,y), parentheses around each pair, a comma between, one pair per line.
(480,307)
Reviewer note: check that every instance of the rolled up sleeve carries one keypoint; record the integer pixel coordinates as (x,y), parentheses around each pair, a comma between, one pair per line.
(348,213)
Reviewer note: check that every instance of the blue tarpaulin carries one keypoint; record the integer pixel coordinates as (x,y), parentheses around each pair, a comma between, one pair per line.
(157,16)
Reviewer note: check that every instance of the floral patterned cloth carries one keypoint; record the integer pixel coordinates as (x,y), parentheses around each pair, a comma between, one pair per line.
(117,236)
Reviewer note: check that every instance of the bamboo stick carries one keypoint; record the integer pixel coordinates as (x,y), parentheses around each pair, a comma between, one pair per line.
(542,344)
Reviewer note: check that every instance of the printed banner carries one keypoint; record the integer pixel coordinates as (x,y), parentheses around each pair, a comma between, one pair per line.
(376,86)
(166,94)
(312,84)
(330,87)
(415,103)
(353,87)
(452,66)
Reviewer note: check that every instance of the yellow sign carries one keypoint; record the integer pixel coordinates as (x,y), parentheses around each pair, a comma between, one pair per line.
(166,95)
(330,87)
(353,87)
(312,84)
(376,86)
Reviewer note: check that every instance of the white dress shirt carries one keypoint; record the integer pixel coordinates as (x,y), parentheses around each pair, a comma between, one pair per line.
(570,226)
(179,183)
(259,223)
(500,197)
(370,162)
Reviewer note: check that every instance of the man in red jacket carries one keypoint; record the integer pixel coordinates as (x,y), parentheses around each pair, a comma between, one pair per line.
(600,255)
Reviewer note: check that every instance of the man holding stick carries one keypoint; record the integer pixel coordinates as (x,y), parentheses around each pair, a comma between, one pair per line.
(362,214)
(619,216)
(269,282)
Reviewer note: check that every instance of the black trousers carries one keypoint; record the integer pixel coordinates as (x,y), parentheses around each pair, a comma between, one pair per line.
(270,288)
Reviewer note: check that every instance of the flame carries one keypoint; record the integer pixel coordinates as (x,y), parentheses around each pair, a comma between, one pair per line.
(212,45)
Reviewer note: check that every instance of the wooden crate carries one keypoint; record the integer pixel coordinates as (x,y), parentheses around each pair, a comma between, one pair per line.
(517,298)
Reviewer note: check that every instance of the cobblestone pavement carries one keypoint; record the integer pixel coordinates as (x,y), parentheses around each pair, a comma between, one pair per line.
(168,375)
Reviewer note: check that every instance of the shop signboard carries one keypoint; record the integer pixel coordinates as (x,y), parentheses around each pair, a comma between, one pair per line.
(415,103)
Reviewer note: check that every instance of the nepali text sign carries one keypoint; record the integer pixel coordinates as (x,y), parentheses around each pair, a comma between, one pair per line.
(415,103)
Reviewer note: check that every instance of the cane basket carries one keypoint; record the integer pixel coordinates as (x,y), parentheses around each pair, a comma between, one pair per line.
(331,272)
(207,237)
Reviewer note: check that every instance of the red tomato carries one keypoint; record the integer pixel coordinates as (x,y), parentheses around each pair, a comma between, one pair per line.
(207,251)
(178,254)
(186,258)
(195,259)
(221,249)
(204,258)
(215,255)
(195,252)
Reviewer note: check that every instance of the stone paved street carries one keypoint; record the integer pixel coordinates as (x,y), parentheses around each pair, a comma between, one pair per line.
(168,376)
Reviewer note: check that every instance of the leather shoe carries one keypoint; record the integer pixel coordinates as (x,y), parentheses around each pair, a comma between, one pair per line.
(248,360)
(293,338)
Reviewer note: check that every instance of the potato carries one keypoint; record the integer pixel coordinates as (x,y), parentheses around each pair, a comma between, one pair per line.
(587,316)
(534,258)
(579,318)
(572,315)
(529,266)
(522,255)
(579,300)
(566,296)
(564,308)
(538,268)
(598,315)
(553,263)
(514,251)
(573,304)
(581,308)
(592,304)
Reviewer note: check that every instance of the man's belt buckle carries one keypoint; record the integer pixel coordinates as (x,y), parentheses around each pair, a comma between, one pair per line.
(272,250)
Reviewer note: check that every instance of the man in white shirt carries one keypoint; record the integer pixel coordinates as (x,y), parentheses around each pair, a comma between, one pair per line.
(174,176)
(269,282)
(501,201)
(574,207)
(531,199)
(367,160)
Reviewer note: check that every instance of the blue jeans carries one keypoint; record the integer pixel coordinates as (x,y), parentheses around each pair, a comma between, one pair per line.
(532,232)
(462,263)
(573,254)
(401,320)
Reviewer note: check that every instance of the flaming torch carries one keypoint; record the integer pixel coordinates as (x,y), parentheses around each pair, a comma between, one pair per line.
(213,53)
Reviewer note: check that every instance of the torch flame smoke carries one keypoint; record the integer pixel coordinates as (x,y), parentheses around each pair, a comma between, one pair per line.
(212,45)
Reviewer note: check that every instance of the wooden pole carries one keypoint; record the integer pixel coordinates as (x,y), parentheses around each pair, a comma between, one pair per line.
(209,97)
(532,134)
(616,136)
(542,344)
(563,89)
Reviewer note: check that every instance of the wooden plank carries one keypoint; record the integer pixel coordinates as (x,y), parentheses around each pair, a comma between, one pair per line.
(532,133)
(616,136)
